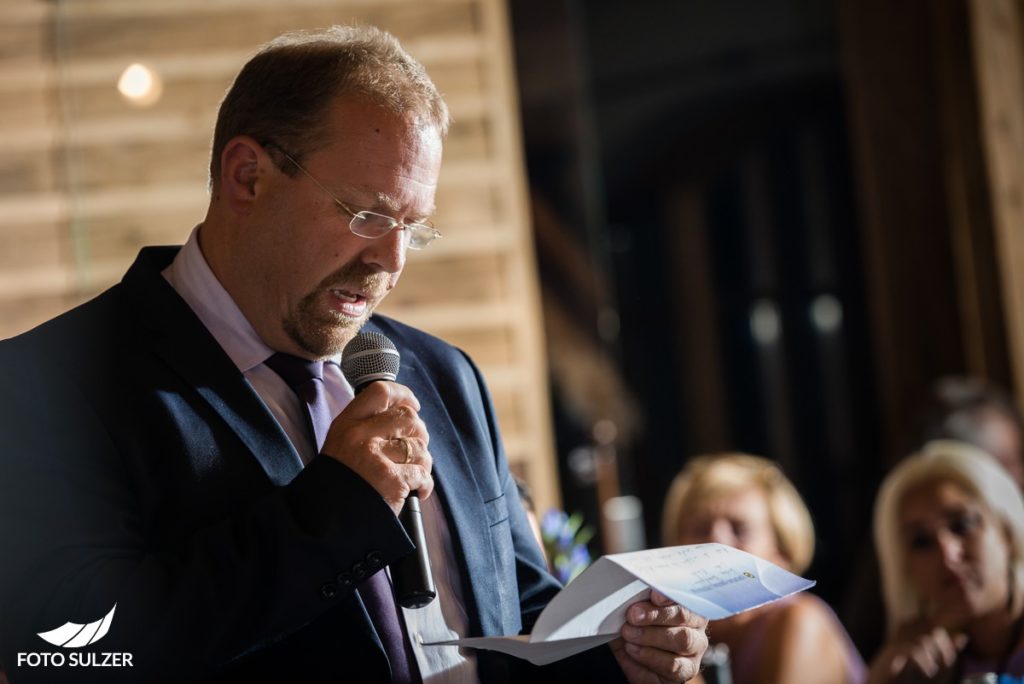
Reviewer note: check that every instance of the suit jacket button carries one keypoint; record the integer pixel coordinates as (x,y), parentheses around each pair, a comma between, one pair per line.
(359,570)
(374,560)
(345,579)
(328,591)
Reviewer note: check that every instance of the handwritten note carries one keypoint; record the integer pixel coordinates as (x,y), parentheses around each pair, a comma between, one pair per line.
(714,580)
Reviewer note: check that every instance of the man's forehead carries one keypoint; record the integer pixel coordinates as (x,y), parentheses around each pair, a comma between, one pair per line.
(350,107)
(391,204)
(376,200)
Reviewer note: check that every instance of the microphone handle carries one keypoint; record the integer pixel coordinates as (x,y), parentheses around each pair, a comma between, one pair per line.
(411,575)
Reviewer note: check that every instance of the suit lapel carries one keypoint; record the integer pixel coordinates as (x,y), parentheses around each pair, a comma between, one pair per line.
(183,343)
(456,485)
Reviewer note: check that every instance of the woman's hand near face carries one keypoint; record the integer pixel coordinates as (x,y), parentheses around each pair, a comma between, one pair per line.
(919,653)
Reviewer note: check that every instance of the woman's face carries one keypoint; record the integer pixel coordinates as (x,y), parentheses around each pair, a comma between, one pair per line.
(957,552)
(741,519)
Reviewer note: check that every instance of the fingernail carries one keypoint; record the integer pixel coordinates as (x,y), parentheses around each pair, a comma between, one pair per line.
(638,614)
(631,632)
(632,649)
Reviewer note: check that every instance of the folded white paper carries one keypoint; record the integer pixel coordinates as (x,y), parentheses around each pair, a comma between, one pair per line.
(713,580)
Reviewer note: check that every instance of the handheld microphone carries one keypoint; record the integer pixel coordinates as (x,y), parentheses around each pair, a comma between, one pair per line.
(369,357)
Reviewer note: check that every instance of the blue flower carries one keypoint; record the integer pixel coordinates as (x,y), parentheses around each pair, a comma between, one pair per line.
(580,557)
(553,521)
(565,542)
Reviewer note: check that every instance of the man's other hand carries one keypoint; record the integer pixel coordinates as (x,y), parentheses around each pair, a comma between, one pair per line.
(661,642)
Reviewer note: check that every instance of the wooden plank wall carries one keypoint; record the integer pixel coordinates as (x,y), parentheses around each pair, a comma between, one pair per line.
(86,178)
(998,43)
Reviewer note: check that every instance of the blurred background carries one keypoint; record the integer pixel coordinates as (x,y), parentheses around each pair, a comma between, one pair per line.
(671,227)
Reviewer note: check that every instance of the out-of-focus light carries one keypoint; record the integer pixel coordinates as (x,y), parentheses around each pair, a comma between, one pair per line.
(623,528)
(605,431)
(765,325)
(826,313)
(140,85)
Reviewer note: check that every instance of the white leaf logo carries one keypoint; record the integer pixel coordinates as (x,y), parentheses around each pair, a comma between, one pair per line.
(74,635)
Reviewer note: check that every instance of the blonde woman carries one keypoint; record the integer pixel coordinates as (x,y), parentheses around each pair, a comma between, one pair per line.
(746,502)
(949,528)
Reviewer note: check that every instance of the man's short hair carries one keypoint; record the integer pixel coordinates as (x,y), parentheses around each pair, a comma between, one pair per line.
(283,93)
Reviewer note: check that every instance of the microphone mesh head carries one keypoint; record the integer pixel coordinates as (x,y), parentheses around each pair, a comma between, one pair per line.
(367,357)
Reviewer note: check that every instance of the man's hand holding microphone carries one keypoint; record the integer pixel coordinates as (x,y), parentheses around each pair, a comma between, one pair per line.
(381,438)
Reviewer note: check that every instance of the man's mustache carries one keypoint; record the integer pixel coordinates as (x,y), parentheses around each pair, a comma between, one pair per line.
(372,284)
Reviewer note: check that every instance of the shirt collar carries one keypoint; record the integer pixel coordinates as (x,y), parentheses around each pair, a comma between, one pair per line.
(190,275)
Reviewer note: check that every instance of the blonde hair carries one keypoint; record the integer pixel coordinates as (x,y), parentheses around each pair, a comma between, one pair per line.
(948,460)
(717,475)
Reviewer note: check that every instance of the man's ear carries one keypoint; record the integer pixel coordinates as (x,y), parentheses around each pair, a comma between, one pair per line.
(240,165)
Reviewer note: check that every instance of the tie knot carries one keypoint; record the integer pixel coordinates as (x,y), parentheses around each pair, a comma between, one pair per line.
(295,371)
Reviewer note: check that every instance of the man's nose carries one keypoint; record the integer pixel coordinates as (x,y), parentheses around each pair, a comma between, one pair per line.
(387,253)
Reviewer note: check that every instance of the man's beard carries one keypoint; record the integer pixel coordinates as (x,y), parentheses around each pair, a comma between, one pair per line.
(325,333)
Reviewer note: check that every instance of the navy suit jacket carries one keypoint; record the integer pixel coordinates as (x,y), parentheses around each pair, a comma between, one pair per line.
(139,467)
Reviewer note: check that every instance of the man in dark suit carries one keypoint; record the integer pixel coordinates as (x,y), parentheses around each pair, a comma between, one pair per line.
(156,456)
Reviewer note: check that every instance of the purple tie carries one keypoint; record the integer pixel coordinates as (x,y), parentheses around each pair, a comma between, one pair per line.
(306,378)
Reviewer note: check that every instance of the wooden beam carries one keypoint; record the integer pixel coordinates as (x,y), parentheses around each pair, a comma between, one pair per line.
(891,71)
(999,66)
